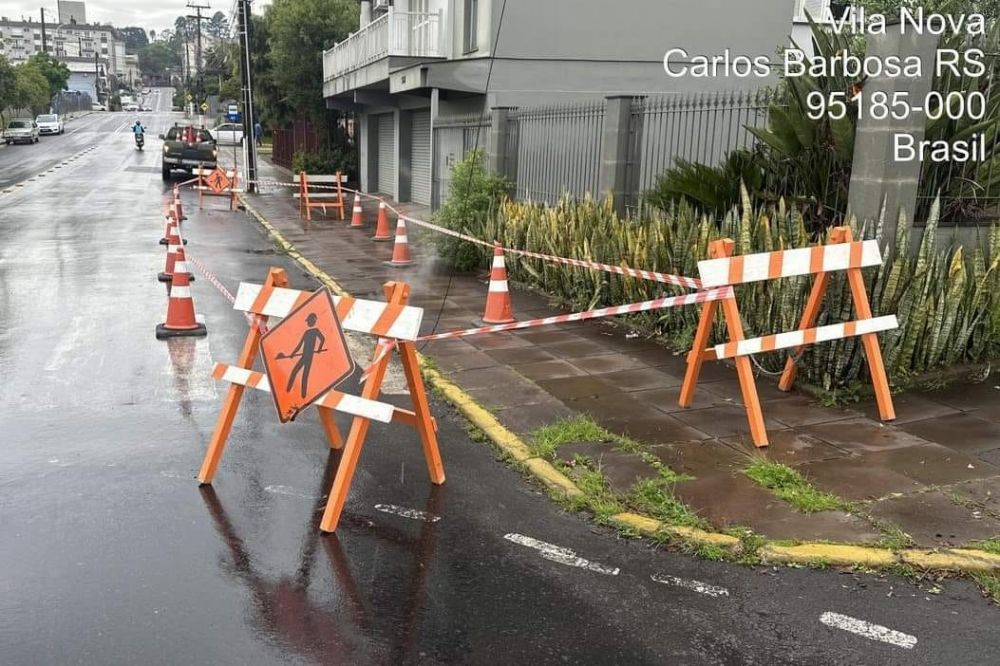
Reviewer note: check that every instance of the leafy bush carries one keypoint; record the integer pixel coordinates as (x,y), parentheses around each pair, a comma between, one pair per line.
(342,159)
(473,198)
(947,299)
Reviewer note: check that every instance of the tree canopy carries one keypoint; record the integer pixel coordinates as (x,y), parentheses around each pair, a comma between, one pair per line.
(56,73)
(31,89)
(135,39)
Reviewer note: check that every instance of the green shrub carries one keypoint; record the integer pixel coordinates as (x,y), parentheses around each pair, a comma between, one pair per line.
(947,299)
(473,199)
(340,158)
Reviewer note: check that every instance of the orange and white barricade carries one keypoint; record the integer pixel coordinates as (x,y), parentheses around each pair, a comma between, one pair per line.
(723,269)
(328,192)
(393,321)
(217,182)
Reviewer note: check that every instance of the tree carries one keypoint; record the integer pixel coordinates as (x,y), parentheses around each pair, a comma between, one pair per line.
(218,25)
(135,38)
(8,83)
(156,58)
(299,32)
(31,90)
(55,72)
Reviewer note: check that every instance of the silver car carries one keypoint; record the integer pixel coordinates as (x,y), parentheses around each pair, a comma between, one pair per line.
(21,130)
(50,123)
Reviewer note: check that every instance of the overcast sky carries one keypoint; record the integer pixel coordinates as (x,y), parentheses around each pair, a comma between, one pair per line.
(148,14)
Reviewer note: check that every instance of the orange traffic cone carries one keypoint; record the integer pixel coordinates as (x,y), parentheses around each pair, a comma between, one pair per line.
(181,319)
(382,231)
(171,224)
(175,258)
(357,216)
(177,205)
(499,309)
(401,248)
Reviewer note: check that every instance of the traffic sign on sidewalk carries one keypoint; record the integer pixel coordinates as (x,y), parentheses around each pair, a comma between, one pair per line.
(305,355)
(219,180)
(204,106)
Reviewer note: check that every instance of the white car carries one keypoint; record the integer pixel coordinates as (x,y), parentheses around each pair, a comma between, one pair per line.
(228,134)
(50,123)
(98,107)
(21,130)
(133,107)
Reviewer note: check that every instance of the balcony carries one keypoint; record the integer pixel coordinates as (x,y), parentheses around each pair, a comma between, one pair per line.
(396,34)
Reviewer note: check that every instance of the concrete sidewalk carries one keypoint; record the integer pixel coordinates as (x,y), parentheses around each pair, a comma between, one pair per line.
(934,474)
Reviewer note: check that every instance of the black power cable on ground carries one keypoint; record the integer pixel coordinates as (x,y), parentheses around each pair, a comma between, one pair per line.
(475,151)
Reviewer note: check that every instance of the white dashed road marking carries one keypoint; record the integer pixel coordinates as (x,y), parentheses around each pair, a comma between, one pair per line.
(874,632)
(413,514)
(561,555)
(693,585)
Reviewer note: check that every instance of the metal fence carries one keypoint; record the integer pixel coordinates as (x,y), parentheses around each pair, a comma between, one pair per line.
(556,150)
(699,127)
(301,137)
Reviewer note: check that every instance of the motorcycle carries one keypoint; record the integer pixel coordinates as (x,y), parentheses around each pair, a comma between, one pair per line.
(140,140)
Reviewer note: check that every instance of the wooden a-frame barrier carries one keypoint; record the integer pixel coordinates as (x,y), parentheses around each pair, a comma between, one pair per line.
(393,319)
(841,254)
(205,189)
(309,199)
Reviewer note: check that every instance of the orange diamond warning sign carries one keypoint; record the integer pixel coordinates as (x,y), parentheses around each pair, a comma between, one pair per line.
(305,355)
(218,181)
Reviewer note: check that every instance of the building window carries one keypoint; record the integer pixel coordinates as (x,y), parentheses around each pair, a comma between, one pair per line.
(471,40)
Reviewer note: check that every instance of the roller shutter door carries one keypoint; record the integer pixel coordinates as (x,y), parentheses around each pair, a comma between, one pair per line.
(386,154)
(420,189)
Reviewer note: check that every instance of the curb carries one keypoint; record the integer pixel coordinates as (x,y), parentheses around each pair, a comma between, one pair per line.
(948,560)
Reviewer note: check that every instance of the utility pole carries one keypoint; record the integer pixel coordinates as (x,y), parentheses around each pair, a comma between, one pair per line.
(250,140)
(201,78)
(44,47)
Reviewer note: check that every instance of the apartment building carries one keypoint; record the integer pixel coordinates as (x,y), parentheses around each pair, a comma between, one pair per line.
(21,39)
(415,63)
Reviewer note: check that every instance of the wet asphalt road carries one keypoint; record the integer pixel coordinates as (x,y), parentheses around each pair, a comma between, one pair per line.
(112,555)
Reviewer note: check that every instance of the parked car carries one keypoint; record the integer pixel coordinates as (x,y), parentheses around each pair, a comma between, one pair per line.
(187,147)
(50,123)
(98,107)
(21,130)
(133,107)
(228,134)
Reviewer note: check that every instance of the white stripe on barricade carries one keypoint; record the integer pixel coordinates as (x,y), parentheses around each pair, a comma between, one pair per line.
(806,337)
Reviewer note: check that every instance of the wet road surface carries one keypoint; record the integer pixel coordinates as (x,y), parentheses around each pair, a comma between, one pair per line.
(113,555)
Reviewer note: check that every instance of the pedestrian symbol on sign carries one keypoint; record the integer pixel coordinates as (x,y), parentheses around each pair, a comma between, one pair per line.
(306,355)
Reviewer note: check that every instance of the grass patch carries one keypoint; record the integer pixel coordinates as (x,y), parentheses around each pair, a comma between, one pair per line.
(792,487)
(989,584)
(598,498)
(580,428)
(655,498)
(989,545)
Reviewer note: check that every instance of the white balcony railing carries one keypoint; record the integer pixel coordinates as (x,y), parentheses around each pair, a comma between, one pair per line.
(409,34)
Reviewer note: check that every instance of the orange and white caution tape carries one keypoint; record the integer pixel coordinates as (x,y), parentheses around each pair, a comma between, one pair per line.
(789,263)
(214,281)
(341,402)
(386,346)
(808,336)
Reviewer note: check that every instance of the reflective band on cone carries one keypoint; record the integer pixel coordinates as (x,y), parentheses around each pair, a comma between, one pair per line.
(382,230)
(181,319)
(499,309)
(175,254)
(401,248)
(357,216)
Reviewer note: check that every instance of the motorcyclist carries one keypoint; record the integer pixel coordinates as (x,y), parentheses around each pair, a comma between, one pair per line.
(138,130)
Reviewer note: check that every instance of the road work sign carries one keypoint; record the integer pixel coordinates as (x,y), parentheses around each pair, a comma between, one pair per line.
(218,180)
(306,355)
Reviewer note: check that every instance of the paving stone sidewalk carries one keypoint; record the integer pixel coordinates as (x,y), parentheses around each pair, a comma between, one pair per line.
(934,473)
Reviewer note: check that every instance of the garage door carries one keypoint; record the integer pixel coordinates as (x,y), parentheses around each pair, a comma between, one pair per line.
(420,190)
(386,154)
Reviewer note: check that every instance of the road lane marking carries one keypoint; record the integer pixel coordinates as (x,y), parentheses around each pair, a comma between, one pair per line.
(412,514)
(868,630)
(693,585)
(561,555)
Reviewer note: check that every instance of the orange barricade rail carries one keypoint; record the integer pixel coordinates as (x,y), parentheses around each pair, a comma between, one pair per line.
(322,197)
(393,320)
(217,182)
(723,269)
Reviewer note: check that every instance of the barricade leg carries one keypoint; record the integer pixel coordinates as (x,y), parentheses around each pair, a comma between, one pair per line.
(424,422)
(340,197)
(276,277)
(397,294)
(330,426)
(697,355)
(748,385)
(873,353)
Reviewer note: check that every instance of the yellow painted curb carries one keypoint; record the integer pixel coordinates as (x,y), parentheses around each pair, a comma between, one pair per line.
(957,560)
(828,553)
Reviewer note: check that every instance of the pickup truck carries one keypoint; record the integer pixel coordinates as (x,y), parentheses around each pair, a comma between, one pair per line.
(186,148)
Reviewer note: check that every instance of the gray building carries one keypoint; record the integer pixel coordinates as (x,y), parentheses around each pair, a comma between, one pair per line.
(414,64)
(72,12)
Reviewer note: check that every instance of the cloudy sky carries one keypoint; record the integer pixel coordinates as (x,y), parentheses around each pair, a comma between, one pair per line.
(149,14)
